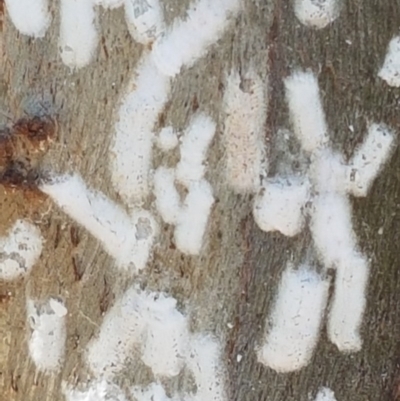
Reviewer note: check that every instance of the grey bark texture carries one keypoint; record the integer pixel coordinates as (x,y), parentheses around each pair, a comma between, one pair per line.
(234,279)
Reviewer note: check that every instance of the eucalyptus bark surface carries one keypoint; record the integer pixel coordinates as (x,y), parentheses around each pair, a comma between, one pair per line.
(229,288)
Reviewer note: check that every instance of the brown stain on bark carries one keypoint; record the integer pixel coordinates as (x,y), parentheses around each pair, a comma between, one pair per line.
(22,147)
(396,390)
(1,15)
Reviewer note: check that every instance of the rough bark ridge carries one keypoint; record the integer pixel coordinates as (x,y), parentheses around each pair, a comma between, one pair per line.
(230,287)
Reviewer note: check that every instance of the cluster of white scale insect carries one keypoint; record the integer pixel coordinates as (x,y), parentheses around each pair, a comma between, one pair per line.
(149,324)
(281,205)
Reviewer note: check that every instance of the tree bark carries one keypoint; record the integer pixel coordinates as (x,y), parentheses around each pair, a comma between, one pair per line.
(230,287)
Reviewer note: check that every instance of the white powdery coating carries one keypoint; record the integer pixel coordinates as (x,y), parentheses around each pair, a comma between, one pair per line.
(78,33)
(127,238)
(149,321)
(168,201)
(120,331)
(390,71)
(370,157)
(316,13)
(204,361)
(30,17)
(192,221)
(97,391)
(153,392)
(245,112)
(329,172)
(306,112)
(47,341)
(145,19)
(332,229)
(19,250)
(190,39)
(296,319)
(279,207)
(166,338)
(193,149)
(131,152)
(325,394)
(109,3)
(348,304)
(167,139)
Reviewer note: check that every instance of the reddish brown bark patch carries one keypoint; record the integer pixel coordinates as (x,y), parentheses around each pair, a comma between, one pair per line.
(23,146)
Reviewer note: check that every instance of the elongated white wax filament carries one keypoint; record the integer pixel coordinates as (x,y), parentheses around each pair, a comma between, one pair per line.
(131,150)
(168,201)
(370,157)
(245,111)
(332,228)
(78,33)
(306,111)
(49,333)
(329,172)
(193,218)
(167,336)
(295,320)
(30,17)
(127,238)
(194,146)
(348,304)
(189,39)
(390,71)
